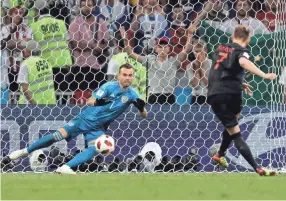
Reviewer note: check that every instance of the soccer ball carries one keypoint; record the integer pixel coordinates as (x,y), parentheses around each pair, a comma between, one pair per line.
(105,144)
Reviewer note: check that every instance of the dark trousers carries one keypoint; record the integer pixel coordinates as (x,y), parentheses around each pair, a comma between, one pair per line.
(162,98)
(13,76)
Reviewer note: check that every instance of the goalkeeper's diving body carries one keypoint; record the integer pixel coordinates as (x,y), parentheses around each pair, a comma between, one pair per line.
(105,105)
(225,94)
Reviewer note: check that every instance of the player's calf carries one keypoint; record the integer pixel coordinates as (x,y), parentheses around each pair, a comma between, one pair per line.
(39,144)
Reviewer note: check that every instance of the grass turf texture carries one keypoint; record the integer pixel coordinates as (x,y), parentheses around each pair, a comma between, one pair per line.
(142,186)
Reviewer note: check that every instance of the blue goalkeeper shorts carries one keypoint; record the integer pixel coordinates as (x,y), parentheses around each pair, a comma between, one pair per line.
(79,126)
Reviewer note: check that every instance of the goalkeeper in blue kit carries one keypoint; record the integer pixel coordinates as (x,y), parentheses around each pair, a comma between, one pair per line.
(105,105)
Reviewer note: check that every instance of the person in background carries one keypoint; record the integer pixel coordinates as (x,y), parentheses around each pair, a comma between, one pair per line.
(19,33)
(162,68)
(271,16)
(178,32)
(116,13)
(198,71)
(88,40)
(51,34)
(243,10)
(149,19)
(139,82)
(4,80)
(214,12)
(29,11)
(36,77)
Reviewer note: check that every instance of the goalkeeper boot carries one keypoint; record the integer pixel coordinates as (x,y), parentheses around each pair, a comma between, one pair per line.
(18,154)
(264,172)
(64,170)
(221,160)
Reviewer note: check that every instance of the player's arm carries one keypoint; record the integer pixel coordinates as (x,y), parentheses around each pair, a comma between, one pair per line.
(97,102)
(249,66)
(99,97)
(140,105)
(28,94)
(183,55)
(128,48)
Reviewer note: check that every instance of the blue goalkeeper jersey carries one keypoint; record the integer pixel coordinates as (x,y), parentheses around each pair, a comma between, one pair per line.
(102,116)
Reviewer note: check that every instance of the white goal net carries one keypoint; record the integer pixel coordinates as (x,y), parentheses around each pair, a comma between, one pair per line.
(81,48)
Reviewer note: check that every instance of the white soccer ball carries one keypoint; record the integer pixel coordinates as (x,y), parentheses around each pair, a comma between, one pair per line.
(105,144)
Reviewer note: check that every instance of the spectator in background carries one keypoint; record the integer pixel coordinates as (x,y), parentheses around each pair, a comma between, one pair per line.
(60,9)
(149,19)
(271,16)
(116,13)
(52,36)
(282,81)
(29,11)
(19,33)
(198,71)
(162,68)
(89,42)
(243,9)
(139,82)
(178,32)
(36,77)
(214,12)
(5,36)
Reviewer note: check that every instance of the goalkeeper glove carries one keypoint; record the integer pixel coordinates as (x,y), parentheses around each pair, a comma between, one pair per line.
(100,102)
(139,104)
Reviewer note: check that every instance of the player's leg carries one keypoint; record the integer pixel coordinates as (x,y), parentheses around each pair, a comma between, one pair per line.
(84,156)
(69,130)
(245,151)
(216,103)
(226,140)
(43,142)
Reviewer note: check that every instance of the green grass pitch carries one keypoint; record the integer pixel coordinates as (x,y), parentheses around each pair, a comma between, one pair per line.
(142,186)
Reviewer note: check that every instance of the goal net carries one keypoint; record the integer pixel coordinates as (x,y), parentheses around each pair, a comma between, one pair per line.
(79,47)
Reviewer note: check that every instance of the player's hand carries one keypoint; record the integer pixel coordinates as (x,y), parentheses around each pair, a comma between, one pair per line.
(247,89)
(270,76)
(123,33)
(100,102)
(139,104)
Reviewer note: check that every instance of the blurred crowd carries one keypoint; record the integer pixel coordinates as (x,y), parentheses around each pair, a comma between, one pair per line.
(75,46)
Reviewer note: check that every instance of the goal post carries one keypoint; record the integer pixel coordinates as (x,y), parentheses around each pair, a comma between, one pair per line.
(188,133)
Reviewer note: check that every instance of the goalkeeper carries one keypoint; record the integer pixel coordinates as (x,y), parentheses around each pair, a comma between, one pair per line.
(105,105)
(225,96)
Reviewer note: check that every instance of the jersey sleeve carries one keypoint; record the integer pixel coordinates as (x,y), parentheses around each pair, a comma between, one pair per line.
(102,92)
(244,53)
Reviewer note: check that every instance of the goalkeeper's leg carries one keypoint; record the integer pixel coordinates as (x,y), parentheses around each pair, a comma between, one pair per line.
(80,158)
(43,142)
(84,156)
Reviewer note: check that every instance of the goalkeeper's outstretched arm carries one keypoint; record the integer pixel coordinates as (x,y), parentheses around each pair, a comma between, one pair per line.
(140,105)
(249,66)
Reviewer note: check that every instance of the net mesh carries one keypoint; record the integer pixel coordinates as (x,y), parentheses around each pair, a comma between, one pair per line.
(79,47)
